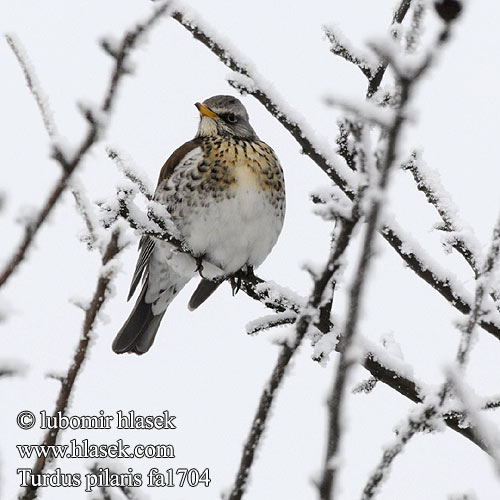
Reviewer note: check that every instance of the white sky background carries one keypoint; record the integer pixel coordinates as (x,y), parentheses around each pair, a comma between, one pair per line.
(203,367)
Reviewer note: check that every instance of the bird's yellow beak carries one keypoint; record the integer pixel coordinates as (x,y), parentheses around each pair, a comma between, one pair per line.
(204,111)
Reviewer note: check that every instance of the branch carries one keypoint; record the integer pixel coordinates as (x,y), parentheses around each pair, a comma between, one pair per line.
(304,320)
(337,399)
(376,79)
(330,165)
(346,362)
(96,126)
(342,48)
(304,137)
(428,183)
(483,286)
(33,84)
(107,274)
(11,368)
(289,305)
(432,409)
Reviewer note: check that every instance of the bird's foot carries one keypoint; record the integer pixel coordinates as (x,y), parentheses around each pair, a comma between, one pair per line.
(199,266)
(244,274)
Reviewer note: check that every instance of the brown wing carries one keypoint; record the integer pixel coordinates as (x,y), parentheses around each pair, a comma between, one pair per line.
(147,244)
(176,158)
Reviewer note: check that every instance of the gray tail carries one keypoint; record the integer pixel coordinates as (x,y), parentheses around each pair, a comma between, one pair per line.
(139,331)
(202,292)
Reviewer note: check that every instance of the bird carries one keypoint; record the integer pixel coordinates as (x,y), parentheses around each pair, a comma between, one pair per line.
(225,192)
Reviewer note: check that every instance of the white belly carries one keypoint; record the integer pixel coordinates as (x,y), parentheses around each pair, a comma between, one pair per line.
(233,232)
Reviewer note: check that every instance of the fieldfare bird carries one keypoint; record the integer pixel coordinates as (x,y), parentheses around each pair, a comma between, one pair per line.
(225,192)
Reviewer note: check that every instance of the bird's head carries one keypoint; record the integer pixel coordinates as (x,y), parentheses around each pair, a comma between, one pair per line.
(224,115)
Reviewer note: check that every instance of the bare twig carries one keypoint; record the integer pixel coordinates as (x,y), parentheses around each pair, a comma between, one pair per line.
(104,492)
(96,126)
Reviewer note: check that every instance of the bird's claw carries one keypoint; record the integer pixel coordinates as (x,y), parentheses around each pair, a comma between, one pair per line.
(199,266)
(235,283)
(237,278)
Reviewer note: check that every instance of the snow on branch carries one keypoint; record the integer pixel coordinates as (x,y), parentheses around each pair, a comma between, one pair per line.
(33,84)
(340,46)
(424,267)
(484,282)
(308,317)
(131,171)
(246,80)
(71,158)
(429,415)
(250,83)
(484,430)
(459,236)
(376,198)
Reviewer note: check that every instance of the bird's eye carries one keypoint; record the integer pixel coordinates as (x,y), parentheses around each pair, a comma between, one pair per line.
(231,118)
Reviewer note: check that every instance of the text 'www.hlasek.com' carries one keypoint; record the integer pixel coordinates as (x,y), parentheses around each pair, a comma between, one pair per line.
(103,477)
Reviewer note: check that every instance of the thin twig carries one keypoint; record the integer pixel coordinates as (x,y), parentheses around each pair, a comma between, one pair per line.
(376,78)
(434,195)
(129,172)
(339,47)
(483,286)
(33,85)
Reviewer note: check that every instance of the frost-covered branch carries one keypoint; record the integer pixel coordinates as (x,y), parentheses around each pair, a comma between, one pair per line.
(252,84)
(347,360)
(341,47)
(130,171)
(106,275)
(414,425)
(483,288)
(33,84)
(460,237)
(376,78)
(47,115)
(96,120)
(484,430)
(433,404)
(308,317)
